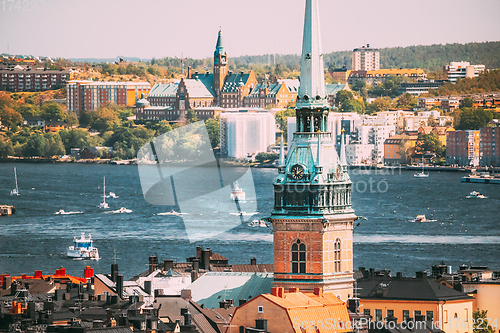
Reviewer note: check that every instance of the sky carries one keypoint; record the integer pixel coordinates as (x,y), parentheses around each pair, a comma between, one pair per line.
(168,28)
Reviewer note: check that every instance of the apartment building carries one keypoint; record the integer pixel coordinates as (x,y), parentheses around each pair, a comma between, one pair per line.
(89,96)
(462,70)
(279,94)
(365,59)
(489,146)
(379,75)
(30,79)
(419,87)
(462,147)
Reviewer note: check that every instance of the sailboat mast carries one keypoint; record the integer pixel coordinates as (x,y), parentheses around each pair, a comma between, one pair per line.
(15,177)
(104,189)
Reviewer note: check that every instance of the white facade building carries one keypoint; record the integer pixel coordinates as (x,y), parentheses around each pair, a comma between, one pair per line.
(462,69)
(245,133)
(365,59)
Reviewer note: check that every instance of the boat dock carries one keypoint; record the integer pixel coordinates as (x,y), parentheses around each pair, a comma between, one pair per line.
(7,210)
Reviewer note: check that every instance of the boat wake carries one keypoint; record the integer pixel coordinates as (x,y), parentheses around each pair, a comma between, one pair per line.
(62,212)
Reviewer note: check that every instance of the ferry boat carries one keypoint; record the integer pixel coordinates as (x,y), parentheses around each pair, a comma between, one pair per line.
(476,194)
(237,193)
(258,224)
(83,249)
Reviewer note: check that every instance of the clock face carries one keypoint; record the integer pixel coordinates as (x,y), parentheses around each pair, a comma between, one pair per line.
(297,171)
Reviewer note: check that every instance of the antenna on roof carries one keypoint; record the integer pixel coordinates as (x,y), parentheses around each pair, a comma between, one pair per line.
(114,255)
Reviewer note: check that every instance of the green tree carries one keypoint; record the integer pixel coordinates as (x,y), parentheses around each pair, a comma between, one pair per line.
(474,119)
(480,323)
(352,105)
(380,104)
(6,149)
(86,118)
(359,85)
(53,144)
(29,110)
(406,101)
(213,130)
(75,138)
(9,116)
(342,96)
(467,102)
(191,116)
(405,150)
(261,157)
(104,119)
(52,111)
(36,146)
(431,121)
(71,119)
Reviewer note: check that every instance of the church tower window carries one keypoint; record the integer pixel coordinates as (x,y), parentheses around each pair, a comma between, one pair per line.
(336,255)
(298,257)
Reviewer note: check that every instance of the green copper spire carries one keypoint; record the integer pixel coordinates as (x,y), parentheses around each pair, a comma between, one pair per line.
(312,76)
(220,52)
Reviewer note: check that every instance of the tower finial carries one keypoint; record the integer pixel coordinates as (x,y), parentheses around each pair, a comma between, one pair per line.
(282,153)
(343,161)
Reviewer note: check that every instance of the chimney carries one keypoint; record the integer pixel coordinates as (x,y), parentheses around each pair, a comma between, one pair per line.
(353,305)
(7,282)
(187,316)
(119,285)
(153,263)
(59,294)
(198,252)
(88,272)
(205,259)
(186,294)
(261,324)
(114,272)
(421,274)
(399,275)
(281,292)
(167,264)
(253,261)
(196,265)
(190,69)
(318,291)
(230,302)
(241,302)
(13,288)
(147,287)
(293,289)
(274,291)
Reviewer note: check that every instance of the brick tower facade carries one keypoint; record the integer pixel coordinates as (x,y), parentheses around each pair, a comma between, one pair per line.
(312,217)
(220,68)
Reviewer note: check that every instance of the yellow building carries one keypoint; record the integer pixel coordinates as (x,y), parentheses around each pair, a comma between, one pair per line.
(379,75)
(293,311)
(420,298)
(487,297)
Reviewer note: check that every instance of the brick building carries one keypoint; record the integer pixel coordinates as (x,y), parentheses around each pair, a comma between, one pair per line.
(489,147)
(279,94)
(31,79)
(462,147)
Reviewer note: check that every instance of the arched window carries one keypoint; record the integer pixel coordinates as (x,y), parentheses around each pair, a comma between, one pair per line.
(298,257)
(336,255)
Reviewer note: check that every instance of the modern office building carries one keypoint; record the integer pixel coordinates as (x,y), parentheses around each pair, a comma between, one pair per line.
(489,147)
(462,70)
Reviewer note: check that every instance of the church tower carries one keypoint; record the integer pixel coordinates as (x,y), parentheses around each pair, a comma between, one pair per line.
(220,68)
(312,217)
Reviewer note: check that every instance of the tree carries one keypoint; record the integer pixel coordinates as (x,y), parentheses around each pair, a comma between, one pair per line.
(282,116)
(52,111)
(352,105)
(191,116)
(430,143)
(480,323)
(380,104)
(86,118)
(467,102)
(104,119)
(9,116)
(29,110)
(261,157)
(406,101)
(359,85)
(71,119)
(471,119)
(405,148)
(35,146)
(53,144)
(75,138)
(431,121)
(342,96)
(213,130)
(6,149)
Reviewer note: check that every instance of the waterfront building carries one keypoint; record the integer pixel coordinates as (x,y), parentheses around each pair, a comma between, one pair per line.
(419,87)
(462,70)
(312,216)
(365,59)
(417,299)
(462,147)
(489,146)
(398,148)
(279,94)
(89,96)
(246,132)
(32,79)
(379,75)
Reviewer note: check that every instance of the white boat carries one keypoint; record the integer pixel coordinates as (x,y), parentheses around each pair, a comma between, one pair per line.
(237,193)
(258,224)
(422,174)
(104,204)
(82,248)
(122,210)
(16,190)
(477,195)
(113,195)
(62,212)
(420,218)
(172,212)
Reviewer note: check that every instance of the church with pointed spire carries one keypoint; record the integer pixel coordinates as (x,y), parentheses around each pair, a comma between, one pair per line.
(312,217)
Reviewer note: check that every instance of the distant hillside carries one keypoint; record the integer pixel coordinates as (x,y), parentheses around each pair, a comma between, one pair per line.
(431,57)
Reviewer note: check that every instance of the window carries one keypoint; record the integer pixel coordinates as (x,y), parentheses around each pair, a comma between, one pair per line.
(416,313)
(390,313)
(378,315)
(366,312)
(406,315)
(429,316)
(298,257)
(336,255)
(260,309)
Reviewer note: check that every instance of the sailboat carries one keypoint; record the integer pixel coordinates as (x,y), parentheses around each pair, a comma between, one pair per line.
(422,174)
(104,204)
(16,190)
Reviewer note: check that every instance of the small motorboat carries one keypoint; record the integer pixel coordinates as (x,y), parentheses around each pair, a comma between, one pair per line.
(122,210)
(420,218)
(172,212)
(258,224)
(113,195)
(62,212)
(476,194)
(82,248)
